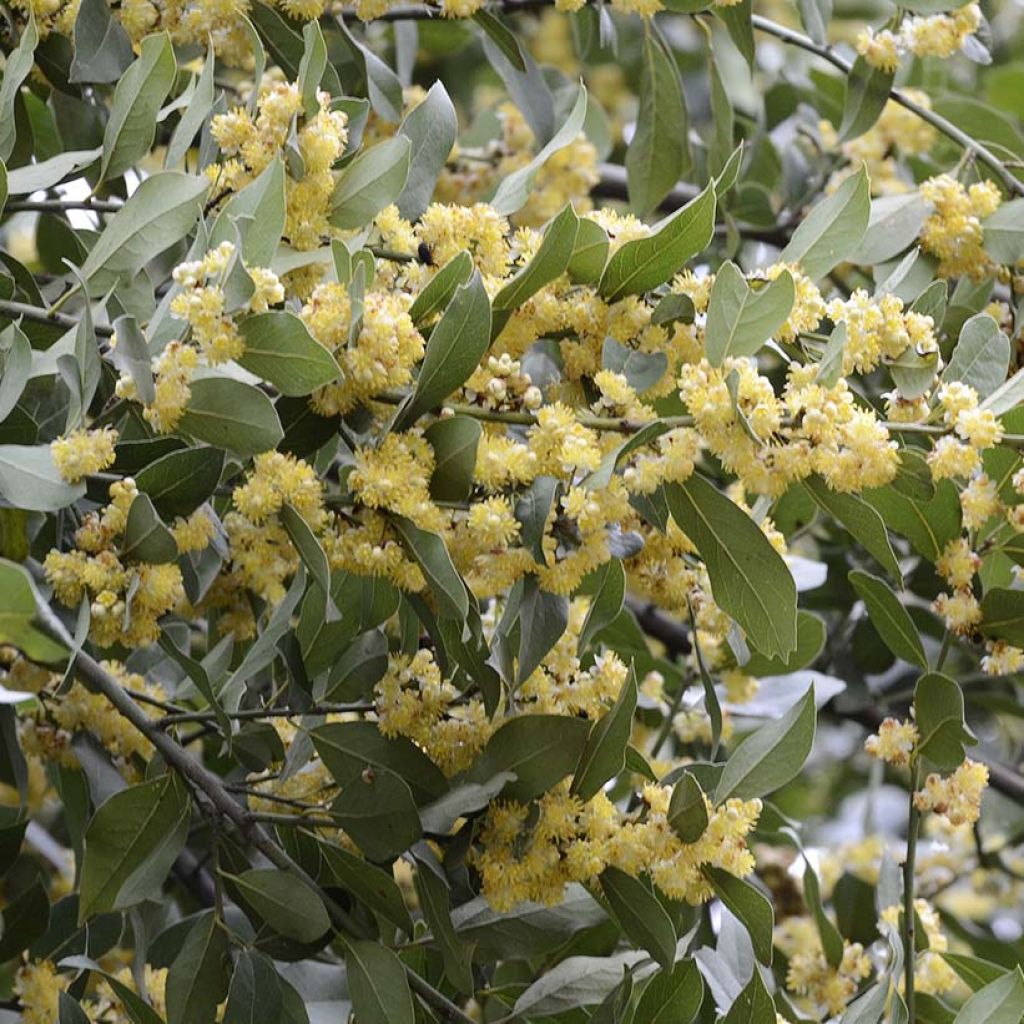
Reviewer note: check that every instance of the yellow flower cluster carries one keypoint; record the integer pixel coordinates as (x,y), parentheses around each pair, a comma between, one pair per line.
(954,233)
(380,358)
(956,797)
(261,553)
(769,442)
(823,990)
(932,974)
(251,143)
(125,600)
(533,855)
(894,742)
(38,987)
(936,35)
(82,452)
(413,700)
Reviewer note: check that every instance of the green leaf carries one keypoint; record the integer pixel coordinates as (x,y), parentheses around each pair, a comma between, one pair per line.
(604,754)
(441,287)
(453,352)
(29,479)
(741,320)
(502,37)
(928,523)
(368,883)
(378,812)
(831,940)
(999,1002)
(258,992)
(191,121)
(229,414)
(311,67)
(541,750)
(672,996)
(939,716)
(889,617)
(810,641)
(644,920)
(893,226)
(514,189)
(349,748)
(17,68)
(435,902)
(833,229)
(377,984)
(131,842)
(308,546)
(455,441)
(862,522)
(770,756)
(1002,613)
(257,214)
(687,810)
(543,618)
(641,369)
(373,179)
(981,358)
(658,154)
(24,920)
(179,482)
(430,554)
(1004,233)
(606,603)
(159,213)
(280,349)
(146,539)
(285,902)
(130,355)
(867,92)
(18,615)
(753,1005)
(590,254)
(644,263)
(462,800)
(977,973)
(749,905)
(137,99)
(576,981)
(739,24)
(197,981)
(550,260)
(103,50)
(431,127)
(749,579)
(15,365)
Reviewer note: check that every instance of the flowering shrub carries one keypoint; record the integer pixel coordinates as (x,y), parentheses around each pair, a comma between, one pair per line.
(541,546)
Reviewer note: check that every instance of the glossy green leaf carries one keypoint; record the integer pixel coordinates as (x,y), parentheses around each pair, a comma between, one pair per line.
(280,350)
(604,754)
(285,902)
(231,415)
(889,617)
(741,319)
(644,920)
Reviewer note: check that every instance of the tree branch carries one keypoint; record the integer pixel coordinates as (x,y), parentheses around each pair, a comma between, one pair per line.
(46,316)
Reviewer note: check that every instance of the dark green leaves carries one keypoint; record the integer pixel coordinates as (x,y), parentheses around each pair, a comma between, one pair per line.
(644,920)
(137,98)
(131,843)
(285,902)
(378,811)
(179,482)
(430,554)
(889,617)
(198,979)
(146,539)
(672,995)
(740,319)
(604,754)
(749,579)
(540,749)
(377,984)
(431,127)
(749,905)
(456,344)
(280,350)
(373,179)
(644,263)
(939,717)
(981,357)
(229,414)
(771,756)
(687,810)
(658,153)
(103,49)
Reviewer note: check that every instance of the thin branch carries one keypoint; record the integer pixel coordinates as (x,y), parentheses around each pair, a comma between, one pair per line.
(46,316)
(60,205)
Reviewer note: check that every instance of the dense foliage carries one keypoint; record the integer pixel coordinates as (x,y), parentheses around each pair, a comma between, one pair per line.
(511,511)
